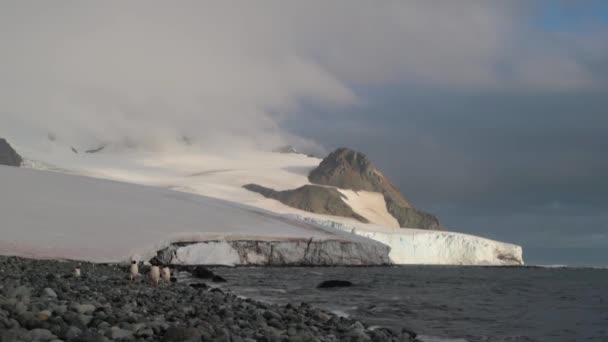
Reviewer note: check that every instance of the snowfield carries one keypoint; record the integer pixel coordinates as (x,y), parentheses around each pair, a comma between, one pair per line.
(221,177)
(58,216)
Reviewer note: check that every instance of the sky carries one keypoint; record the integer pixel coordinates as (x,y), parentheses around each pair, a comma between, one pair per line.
(489,114)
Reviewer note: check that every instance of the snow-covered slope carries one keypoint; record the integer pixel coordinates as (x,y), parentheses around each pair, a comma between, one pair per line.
(222,176)
(52,215)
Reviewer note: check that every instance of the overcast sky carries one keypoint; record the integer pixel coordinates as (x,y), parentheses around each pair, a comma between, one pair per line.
(490,114)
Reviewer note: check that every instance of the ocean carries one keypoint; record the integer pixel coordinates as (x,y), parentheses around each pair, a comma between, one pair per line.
(447,303)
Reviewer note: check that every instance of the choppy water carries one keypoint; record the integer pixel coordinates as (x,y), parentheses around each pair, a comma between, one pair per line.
(453,303)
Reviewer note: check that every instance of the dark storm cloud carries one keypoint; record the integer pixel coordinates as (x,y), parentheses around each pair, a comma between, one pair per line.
(522,166)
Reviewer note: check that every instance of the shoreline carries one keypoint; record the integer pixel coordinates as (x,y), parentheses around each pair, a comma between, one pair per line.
(40,300)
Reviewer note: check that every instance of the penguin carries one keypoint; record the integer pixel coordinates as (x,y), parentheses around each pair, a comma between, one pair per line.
(134,270)
(166,274)
(155,274)
(77,272)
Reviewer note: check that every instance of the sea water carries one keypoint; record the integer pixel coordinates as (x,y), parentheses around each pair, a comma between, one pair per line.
(447,303)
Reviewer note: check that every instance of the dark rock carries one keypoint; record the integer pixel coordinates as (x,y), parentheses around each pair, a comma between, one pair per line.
(72,333)
(49,292)
(74,150)
(199,286)
(8,155)
(218,279)
(334,283)
(348,169)
(286,149)
(311,198)
(95,150)
(41,335)
(408,332)
(202,273)
(117,333)
(91,336)
(176,334)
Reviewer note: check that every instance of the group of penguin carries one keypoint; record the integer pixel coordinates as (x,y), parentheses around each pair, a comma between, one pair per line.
(156,273)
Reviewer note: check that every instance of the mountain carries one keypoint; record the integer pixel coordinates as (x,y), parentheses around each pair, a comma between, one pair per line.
(348,169)
(8,155)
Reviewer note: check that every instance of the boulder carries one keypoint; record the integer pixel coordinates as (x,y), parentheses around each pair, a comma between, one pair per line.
(202,273)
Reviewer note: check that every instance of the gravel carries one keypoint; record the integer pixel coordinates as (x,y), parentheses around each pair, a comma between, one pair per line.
(41,301)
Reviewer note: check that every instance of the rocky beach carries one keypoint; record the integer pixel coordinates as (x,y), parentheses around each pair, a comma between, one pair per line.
(43,301)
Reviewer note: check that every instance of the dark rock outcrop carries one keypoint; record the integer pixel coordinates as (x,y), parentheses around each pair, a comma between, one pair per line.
(311,198)
(8,155)
(95,150)
(202,273)
(348,169)
(328,284)
(286,149)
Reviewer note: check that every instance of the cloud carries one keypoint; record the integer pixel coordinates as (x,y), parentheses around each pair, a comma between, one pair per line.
(231,72)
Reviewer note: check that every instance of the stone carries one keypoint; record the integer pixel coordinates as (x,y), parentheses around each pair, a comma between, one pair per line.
(90,336)
(20,308)
(44,315)
(83,308)
(145,333)
(117,333)
(202,273)
(41,335)
(175,334)
(84,320)
(47,291)
(334,283)
(72,333)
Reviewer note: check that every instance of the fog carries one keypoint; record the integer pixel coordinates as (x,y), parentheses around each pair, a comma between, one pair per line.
(228,74)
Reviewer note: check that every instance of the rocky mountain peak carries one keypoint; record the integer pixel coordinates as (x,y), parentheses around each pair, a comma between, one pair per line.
(348,169)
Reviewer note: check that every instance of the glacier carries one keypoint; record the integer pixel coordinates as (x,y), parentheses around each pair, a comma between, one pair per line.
(292,252)
(60,216)
(418,246)
(193,172)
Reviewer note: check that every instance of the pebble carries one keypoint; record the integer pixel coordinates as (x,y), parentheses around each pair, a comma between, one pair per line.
(104,305)
(49,292)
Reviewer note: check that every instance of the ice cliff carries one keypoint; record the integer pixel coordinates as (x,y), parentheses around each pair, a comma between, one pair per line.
(298,252)
(417,246)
